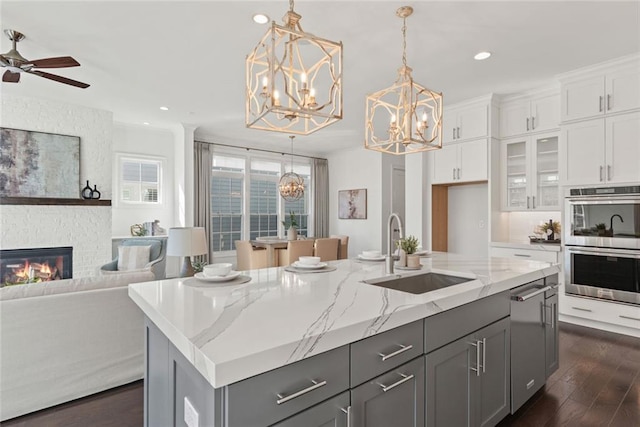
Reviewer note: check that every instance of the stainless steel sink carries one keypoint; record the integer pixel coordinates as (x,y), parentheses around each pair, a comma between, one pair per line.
(417,284)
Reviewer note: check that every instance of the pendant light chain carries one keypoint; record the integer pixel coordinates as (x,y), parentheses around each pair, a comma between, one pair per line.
(291,5)
(292,136)
(404,41)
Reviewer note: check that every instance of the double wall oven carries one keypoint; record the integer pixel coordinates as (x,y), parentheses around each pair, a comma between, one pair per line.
(602,243)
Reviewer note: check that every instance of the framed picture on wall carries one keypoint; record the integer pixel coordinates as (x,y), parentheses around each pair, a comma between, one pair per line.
(38,164)
(352,204)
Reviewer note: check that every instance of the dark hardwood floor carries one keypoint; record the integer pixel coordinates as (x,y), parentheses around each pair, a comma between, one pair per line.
(597,384)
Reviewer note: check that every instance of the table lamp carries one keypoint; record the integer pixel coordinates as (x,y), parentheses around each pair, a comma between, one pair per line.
(185,242)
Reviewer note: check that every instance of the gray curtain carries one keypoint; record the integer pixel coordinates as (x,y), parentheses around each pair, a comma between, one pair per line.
(321,197)
(202,190)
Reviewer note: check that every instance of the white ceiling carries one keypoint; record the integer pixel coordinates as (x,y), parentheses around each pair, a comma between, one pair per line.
(189,56)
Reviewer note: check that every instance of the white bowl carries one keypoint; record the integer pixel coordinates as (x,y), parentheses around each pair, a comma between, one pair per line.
(371,254)
(216,270)
(309,260)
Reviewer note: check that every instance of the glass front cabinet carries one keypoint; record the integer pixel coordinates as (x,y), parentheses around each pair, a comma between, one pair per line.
(530,178)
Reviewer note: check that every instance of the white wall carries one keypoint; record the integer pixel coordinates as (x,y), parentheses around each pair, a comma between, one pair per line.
(352,169)
(388,162)
(86,228)
(468,215)
(153,143)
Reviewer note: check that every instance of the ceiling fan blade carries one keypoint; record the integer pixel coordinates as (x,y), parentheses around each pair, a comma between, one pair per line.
(59,62)
(59,79)
(10,77)
(4,62)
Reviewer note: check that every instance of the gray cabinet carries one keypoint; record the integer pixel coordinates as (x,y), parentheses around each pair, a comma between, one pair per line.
(332,413)
(392,399)
(468,380)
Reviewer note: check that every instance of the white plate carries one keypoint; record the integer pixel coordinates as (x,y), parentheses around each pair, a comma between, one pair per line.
(365,258)
(232,275)
(318,266)
(422,253)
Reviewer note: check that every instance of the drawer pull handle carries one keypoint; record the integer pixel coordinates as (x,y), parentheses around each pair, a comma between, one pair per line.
(402,349)
(347,411)
(581,309)
(532,294)
(523,255)
(283,399)
(629,317)
(404,379)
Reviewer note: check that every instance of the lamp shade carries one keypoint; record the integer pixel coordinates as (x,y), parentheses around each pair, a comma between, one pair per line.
(187,241)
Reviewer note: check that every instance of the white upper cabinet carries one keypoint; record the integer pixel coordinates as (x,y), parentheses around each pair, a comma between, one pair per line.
(601,151)
(465,122)
(463,162)
(536,114)
(596,95)
(530,175)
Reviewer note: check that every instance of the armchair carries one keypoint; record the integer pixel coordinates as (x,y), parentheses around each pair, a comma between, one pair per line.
(157,257)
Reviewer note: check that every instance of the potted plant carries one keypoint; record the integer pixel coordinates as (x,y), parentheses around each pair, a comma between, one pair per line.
(292,231)
(408,246)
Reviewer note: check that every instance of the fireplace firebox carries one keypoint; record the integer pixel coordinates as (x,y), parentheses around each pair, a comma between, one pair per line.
(19,266)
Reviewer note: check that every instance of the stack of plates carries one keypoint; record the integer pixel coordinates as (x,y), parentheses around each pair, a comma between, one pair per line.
(302,266)
(232,275)
(369,258)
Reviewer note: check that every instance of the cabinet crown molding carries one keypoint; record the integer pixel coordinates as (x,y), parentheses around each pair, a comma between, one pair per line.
(491,99)
(539,92)
(632,60)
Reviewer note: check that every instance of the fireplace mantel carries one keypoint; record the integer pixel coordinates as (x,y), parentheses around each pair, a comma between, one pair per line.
(52,201)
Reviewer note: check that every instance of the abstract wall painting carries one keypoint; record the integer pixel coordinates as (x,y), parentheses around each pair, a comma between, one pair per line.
(352,204)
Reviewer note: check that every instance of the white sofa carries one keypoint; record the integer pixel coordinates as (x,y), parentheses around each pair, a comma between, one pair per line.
(67,339)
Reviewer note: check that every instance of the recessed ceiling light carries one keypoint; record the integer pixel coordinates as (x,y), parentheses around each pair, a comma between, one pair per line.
(260,18)
(164,108)
(482,55)
(146,123)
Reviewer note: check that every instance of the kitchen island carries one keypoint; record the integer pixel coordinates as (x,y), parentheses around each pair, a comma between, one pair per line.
(208,343)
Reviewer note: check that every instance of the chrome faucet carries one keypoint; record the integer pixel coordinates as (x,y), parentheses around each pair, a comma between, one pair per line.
(389,258)
(611,222)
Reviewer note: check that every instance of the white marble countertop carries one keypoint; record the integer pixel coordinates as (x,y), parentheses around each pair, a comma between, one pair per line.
(549,247)
(230,333)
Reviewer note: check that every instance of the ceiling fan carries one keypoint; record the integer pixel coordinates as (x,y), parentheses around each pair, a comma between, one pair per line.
(16,64)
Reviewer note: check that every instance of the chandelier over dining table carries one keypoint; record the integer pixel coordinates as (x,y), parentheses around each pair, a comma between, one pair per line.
(405,117)
(293,80)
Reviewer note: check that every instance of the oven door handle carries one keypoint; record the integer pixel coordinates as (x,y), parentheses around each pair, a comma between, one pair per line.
(605,252)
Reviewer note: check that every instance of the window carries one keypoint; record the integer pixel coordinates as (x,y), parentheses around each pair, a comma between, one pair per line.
(245,203)
(227,182)
(140,180)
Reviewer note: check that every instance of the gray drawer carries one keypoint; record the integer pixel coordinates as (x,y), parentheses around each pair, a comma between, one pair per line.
(446,327)
(375,355)
(254,401)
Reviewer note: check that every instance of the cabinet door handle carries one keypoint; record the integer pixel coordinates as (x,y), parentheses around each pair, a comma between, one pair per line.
(404,379)
(554,313)
(458,173)
(283,398)
(527,123)
(600,104)
(533,123)
(527,202)
(402,349)
(453,131)
(522,255)
(533,205)
(582,309)
(484,355)
(347,411)
(622,316)
(609,172)
(600,173)
(608,102)
(477,368)
(458,132)
(454,173)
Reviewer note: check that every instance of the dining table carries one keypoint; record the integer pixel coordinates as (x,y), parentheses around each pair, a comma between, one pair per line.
(271,244)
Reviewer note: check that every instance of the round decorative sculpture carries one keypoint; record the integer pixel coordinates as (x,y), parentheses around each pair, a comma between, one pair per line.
(291,186)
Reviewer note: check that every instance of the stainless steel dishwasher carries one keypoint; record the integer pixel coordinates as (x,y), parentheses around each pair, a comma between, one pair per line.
(528,369)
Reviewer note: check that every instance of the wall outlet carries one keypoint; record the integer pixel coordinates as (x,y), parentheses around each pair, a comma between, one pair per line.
(481,223)
(190,414)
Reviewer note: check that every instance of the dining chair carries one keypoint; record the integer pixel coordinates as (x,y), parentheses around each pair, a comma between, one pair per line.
(295,249)
(343,251)
(327,249)
(248,257)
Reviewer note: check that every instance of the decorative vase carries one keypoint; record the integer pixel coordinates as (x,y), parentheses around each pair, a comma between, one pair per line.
(87,192)
(413,261)
(95,194)
(292,233)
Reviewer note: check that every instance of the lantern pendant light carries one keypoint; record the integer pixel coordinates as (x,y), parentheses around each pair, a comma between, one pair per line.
(291,185)
(293,80)
(405,117)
